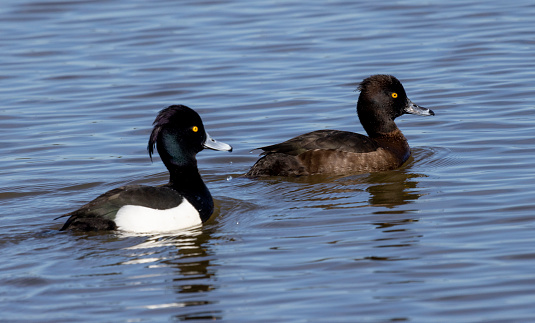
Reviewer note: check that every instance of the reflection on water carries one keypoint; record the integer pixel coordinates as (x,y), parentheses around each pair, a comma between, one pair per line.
(189,256)
(391,189)
(194,277)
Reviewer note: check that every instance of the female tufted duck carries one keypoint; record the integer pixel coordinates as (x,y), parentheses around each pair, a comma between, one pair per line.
(185,201)
(333,152)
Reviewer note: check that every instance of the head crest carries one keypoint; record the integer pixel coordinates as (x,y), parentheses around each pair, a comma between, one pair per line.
(379,79)
(163,118)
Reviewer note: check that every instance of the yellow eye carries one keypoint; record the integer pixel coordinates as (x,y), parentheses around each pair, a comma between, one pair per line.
(195,128)
(394,95)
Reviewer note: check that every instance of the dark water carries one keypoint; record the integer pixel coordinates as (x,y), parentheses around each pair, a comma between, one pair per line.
(447,238)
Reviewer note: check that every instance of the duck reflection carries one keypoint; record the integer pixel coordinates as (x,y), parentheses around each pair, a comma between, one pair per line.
(388,191)
(189,255)
(386,196)
(392,189)
(194,279)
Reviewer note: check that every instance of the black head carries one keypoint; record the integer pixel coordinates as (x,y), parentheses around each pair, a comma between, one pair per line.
(382,99)
(179,135)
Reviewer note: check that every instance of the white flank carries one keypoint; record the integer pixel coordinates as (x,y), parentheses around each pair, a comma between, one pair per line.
(142,219)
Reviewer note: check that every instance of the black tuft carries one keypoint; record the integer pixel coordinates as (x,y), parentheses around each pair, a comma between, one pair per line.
(163,118)
(382,79)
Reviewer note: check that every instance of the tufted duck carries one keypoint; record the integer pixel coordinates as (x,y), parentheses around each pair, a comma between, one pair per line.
(185,201)
(333,152)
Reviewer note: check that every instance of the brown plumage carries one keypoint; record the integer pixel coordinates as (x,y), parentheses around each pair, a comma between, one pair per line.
(334,152)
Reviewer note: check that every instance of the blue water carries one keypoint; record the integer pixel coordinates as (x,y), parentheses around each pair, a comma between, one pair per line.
(446,238)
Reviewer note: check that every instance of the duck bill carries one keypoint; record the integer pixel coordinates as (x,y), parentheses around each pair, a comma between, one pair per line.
(417,110)
(216,145)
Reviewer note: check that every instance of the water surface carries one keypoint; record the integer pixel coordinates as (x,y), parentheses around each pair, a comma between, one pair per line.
(446,238)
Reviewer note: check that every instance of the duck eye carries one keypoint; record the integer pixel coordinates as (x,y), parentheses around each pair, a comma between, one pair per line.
(394,95)
(195,128)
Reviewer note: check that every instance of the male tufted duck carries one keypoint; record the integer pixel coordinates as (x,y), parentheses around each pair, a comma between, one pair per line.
(185,201)
(333,152)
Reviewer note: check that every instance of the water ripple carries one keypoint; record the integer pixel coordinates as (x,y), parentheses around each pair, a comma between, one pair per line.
(447,237)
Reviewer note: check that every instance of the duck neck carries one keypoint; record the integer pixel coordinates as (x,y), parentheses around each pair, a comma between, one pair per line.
(379,126)
(183,175)
(188,182)
(393,141)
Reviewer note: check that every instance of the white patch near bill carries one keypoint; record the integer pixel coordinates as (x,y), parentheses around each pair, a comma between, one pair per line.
(142,219)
